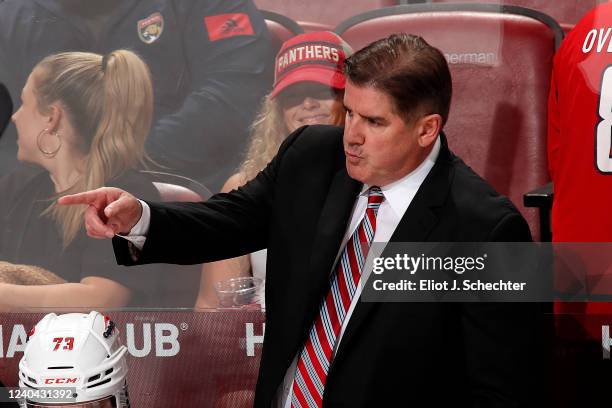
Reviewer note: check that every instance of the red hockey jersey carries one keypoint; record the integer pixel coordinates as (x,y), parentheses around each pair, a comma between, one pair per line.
(580,131)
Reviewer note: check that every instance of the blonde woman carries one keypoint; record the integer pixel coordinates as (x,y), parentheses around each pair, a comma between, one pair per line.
(308,90)
(82,124)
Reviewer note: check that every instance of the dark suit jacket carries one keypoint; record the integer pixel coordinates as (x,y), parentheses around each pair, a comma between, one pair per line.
(391,354)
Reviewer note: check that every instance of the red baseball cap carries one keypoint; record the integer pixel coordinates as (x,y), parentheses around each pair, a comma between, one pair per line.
(316,57)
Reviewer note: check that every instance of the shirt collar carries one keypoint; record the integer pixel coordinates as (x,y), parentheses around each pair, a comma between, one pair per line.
(399,194)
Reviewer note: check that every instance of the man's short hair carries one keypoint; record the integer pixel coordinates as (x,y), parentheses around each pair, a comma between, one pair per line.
(413,73)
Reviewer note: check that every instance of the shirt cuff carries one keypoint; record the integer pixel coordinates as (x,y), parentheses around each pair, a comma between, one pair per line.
(138,234)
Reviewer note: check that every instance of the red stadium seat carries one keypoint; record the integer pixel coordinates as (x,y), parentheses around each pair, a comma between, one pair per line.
(281,28)
(566,12)
(500,59)
(327,13)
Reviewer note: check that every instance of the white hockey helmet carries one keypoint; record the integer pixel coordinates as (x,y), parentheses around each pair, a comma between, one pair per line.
(80,351)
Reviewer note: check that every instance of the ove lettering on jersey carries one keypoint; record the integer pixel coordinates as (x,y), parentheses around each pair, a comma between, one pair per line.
(600,37)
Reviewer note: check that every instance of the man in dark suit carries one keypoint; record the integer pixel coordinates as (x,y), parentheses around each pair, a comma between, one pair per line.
(389,176)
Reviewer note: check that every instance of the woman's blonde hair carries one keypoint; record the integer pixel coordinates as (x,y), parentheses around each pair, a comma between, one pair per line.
(109,103)
(268,132)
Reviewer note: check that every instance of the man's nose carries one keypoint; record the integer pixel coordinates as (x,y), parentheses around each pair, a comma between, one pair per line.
(353,131)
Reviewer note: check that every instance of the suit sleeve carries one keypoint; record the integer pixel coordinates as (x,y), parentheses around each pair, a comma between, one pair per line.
(508,345)
(229,69)
(227,225)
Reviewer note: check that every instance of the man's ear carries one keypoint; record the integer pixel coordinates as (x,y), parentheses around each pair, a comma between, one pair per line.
(429,127)
(54,117)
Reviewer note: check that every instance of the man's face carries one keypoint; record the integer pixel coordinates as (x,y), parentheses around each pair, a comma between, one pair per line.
(380,147)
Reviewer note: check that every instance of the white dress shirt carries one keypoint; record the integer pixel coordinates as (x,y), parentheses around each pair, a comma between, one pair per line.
(398,196)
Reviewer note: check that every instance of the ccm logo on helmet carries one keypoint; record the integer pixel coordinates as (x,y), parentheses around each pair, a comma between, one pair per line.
(61,380)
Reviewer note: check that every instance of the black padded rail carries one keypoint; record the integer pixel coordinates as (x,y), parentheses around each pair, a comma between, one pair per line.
(285,21)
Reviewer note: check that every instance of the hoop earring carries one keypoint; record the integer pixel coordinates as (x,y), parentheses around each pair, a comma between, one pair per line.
(48,153)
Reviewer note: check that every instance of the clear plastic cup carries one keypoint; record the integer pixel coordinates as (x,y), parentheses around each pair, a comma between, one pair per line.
(239,292)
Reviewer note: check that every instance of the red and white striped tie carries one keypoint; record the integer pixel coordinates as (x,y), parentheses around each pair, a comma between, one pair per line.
(313,363)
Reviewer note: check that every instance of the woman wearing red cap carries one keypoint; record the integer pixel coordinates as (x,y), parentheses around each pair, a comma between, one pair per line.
(308,90)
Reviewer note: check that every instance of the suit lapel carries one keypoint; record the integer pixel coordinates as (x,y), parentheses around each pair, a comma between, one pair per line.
(331,226)
(420,218)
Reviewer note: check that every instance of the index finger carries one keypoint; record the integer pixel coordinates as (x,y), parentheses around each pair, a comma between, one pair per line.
(88,197)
